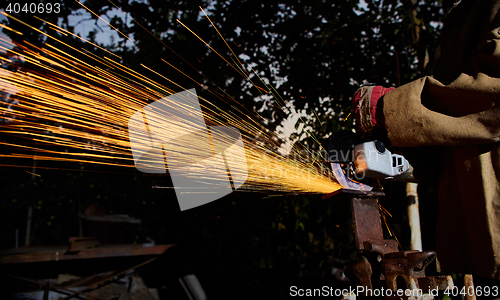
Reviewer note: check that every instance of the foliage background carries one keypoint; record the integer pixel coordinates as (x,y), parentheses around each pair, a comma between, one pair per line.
(315,54)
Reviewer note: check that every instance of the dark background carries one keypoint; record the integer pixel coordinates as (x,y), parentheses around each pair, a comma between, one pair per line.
(246,245)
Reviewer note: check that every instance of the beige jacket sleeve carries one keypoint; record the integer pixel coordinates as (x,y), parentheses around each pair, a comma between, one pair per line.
(467,109)
(460,108)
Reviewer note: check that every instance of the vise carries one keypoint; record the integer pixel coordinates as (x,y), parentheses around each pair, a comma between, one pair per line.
(380,269)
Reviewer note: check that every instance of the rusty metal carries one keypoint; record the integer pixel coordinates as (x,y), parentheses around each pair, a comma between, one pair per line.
(366,218)
(381,246)
(45,254)
(379,256)
(362,269)
(410,265)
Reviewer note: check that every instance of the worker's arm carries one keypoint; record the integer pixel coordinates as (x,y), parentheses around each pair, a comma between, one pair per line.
(468,113)
(465,110)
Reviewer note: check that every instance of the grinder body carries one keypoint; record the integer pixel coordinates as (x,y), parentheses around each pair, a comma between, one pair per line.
(360,158)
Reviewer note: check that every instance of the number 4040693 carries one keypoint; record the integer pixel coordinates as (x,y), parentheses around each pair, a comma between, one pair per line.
(479,291)
(33,8)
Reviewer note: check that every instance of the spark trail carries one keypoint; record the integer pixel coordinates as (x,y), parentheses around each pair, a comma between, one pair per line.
(63,107)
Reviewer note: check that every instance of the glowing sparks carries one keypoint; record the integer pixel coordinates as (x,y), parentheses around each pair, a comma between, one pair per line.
(8,28)
(68,109)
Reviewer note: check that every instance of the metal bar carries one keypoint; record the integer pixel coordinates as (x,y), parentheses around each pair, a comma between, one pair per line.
(367,225)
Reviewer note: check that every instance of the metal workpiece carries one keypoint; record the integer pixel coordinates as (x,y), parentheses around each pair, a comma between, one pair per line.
(350,193)
(366,218)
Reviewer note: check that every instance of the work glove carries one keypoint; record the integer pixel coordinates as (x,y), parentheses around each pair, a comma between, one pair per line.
(367,107)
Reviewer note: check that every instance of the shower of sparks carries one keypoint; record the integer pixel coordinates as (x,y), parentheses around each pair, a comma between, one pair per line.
(63,108)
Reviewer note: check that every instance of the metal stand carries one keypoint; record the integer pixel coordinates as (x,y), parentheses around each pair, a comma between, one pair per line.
(380,269)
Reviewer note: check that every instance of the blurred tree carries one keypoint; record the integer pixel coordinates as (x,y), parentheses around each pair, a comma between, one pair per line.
(307,57)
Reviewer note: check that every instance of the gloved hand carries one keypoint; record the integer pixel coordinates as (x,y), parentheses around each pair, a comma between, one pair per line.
(367,107)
